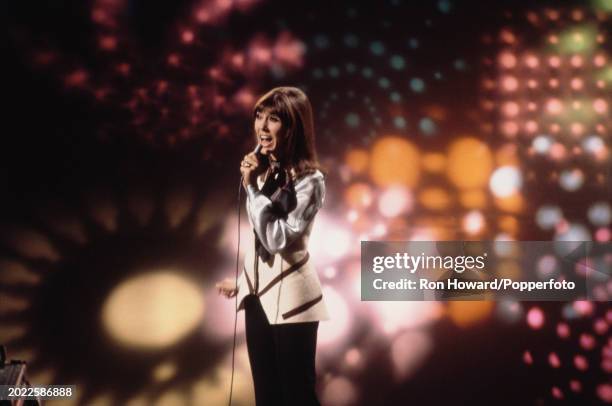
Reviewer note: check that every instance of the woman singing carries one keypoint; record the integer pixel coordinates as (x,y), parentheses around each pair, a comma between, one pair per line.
(279,288)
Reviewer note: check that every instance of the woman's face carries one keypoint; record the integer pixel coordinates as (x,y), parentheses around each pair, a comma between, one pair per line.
(269,132)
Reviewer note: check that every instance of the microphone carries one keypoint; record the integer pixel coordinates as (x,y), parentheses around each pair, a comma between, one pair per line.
(257,150)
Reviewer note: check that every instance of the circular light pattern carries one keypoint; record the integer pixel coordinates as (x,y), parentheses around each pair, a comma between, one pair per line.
(417,85)
(473,222)
(329,241)
(469,163)
(542,144)
(377,48)
(395,201)
(444,6)
(509,83)
(506,181)
(600,214)
(154,310)
(547,217)
(571,179)
(397,62)
(352,120)
(507,60)
(408,351)
(594,144)
(427,126)
(358,195)
(339,391)
(554,106)
(394,161)
(573,232)
(535,318)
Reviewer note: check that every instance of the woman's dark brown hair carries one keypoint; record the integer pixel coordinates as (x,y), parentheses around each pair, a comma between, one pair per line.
(295,112)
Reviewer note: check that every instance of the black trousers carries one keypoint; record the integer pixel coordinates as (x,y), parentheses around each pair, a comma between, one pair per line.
(282,358)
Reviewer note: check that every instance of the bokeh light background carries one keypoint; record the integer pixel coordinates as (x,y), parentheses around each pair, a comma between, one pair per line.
(443,120)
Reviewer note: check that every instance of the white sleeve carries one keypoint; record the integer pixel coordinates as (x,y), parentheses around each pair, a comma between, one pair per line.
(276,233)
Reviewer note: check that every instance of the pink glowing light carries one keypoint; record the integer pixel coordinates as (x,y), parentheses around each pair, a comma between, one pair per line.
(187,36)
(575,385)
(604,391)
(353,357)
(531,126)
(583,307)
(108,43)
(603,235)
(576,61)
(395,201)
(174,60)
(532,61)
(553,360)
(600,106)
(577,129)
(563,330)
(510,109)
(339,391)
(554,61)
(473,222)
(535,318)
(587,341)
(527,358)
(510,128)
(509,83)
(556,392)
(288,50)
(260,52)
(599,60)
(554,106)
(408,352)
(577,83)
(507,60)
(77,78)
(581,363)
(532,83)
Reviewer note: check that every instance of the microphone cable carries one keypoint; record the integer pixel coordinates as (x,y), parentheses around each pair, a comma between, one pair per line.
(236,295)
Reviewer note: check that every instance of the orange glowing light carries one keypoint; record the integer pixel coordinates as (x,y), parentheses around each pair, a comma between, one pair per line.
(511,204)
(509,225)
(469,163)
(357,160)
(434,162)
(507,155)
(467,313)
(394,161)
(435,198)
(473,199)
(358,196)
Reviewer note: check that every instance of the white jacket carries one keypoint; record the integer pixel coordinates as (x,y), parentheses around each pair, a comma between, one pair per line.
(287,285)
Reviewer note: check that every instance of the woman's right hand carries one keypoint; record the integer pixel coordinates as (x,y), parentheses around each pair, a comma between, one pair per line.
(227,287)
(249,167)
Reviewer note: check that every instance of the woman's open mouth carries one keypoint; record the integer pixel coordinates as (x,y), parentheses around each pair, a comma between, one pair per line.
(265,140)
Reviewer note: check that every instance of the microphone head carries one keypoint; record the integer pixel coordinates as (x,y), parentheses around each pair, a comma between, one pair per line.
(257,149)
